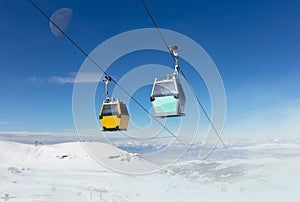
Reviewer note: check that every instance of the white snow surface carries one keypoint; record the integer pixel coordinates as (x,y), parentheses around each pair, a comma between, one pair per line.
(66,172)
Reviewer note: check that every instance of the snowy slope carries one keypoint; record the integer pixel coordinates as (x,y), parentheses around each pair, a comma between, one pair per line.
(67,156)
(65,172)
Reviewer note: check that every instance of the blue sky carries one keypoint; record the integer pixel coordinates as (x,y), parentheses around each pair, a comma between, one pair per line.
(254,44)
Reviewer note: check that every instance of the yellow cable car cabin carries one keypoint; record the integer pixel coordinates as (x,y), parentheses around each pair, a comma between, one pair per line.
(113,113)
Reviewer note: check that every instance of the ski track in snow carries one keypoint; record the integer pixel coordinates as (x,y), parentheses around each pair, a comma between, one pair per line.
(65,172)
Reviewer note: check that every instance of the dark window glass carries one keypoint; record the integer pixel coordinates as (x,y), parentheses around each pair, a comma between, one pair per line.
(164,89)
(124,109)
(110,109)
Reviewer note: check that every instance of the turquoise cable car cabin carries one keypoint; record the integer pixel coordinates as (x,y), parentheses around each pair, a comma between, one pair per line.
(167,96)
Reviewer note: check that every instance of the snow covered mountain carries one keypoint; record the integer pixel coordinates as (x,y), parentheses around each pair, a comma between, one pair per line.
(66,172)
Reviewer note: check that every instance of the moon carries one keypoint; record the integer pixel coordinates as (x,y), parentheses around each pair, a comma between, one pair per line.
(62,18)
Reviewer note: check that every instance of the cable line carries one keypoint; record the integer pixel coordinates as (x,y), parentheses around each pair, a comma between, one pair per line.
(104,72)
(190,86)
(156,26)
(207,116)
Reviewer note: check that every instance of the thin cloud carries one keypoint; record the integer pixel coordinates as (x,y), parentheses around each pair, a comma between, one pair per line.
(33,136)
(50,137)
(36,80)
(83,77)
(34,133)
(69,132)
(6,123)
